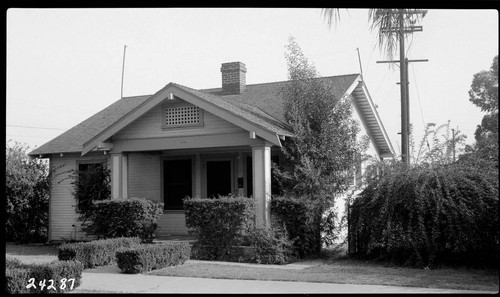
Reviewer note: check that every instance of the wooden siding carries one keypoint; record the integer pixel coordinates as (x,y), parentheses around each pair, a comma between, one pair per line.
(172,224)
(62,203)
(190,142)
(144,176)
(150,126)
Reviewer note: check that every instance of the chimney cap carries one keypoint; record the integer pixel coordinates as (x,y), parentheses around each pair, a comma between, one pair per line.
(228,66)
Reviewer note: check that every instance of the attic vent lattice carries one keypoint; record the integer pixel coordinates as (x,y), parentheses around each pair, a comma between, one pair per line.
(181,116)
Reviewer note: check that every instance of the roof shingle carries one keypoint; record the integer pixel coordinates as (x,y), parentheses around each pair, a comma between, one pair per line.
(260,104)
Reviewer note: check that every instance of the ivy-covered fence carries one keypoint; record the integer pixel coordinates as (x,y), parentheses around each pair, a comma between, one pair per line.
(424,216)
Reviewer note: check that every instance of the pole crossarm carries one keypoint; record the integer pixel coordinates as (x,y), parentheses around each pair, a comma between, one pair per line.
(399,61)
(400,30)
(409,29)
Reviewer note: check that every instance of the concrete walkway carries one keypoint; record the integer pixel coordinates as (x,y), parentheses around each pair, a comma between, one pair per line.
(110,279)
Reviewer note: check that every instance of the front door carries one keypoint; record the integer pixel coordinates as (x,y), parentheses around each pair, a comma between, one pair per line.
(177,175)
(218,178)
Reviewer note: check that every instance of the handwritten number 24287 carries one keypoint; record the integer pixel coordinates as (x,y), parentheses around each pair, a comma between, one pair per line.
(43,284)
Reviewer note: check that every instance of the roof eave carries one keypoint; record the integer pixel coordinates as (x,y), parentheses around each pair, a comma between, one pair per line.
(189,97)
(360,86)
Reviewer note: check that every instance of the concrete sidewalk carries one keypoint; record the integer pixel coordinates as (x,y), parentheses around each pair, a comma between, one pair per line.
(110,279)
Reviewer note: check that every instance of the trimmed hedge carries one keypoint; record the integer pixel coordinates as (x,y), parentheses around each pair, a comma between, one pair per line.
(19,276)
(296,216)
(97,252)
(426,216)
(12,262)
(16,276)
(147,257)
(134,217)
(219,224)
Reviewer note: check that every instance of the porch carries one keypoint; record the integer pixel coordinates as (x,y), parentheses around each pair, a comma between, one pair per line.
(169,176)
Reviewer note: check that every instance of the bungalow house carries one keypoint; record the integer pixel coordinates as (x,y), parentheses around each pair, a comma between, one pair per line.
(183,142)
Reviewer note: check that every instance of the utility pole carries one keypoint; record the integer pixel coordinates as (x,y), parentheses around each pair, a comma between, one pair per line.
(401,30)
(453,143)
(123,68)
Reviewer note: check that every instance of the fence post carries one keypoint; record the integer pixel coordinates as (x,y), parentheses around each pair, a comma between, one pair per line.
(348,230)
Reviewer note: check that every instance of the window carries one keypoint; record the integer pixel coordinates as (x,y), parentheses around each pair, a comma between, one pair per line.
(87,167)
(92,167)
(91,183)
(177,115)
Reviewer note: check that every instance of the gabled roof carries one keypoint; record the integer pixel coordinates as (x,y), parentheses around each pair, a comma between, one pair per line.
(244,110)
(259,107)
(72,140)
(266,96)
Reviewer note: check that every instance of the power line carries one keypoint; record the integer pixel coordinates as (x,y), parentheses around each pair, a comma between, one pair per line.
(401,30)
(31,136)
(369,60)
(383,78)
(418,95)
(58,106)
(32,127)
(149,50)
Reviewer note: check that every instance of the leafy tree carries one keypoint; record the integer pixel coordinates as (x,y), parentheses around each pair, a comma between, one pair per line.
(27,186)
(90,184)
(484,94)
(384,21)
(325,145)
(437,145)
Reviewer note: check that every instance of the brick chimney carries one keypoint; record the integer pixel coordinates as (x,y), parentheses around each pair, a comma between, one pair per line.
(233,78)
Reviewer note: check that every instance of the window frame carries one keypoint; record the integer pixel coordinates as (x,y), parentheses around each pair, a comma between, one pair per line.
(192,158)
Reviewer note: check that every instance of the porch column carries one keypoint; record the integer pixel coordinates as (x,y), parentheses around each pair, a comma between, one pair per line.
(261,165)
(119,176)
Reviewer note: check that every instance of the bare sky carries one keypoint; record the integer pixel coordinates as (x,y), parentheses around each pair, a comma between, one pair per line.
(64,65)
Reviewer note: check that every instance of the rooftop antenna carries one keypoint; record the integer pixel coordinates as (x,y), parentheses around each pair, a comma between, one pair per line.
(123,68)
(360,67)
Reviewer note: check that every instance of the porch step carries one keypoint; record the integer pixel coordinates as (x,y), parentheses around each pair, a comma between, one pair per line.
(176,238)
(171,224)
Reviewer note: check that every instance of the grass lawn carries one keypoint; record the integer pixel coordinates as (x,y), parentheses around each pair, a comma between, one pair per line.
(32,253)
(331,269)
(339,269)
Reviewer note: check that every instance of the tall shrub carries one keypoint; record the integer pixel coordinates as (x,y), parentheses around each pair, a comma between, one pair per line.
(325,142)
(219,223)
(429,215)
(27,186)
(271,246)
(296,216)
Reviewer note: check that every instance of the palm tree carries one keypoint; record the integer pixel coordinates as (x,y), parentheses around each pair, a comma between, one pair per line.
(393,26)
(388,22)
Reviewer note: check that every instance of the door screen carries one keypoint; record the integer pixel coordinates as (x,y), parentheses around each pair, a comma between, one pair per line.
(177,181)
(218,178)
